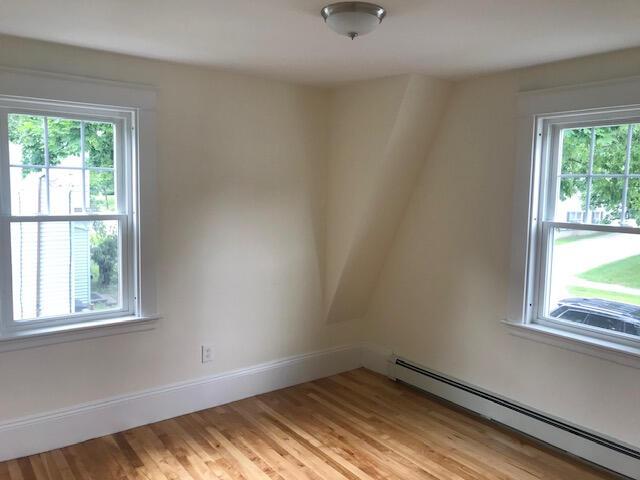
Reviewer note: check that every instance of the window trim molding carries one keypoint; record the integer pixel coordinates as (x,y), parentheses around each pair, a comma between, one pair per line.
(533,107)
(575,342)
(51,335)
(87,95)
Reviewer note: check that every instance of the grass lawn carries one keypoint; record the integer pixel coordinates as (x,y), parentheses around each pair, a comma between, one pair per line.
(575,238)
(605,295)
(625,272)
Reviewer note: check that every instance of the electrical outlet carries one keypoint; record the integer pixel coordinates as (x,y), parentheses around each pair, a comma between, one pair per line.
(207,353)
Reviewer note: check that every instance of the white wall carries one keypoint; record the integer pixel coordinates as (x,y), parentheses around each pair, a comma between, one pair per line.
(381,131)
(443,290)
(241,166)
(362,115)
(243,169)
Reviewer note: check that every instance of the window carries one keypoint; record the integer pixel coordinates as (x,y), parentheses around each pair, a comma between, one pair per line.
(67,225)
(585,237)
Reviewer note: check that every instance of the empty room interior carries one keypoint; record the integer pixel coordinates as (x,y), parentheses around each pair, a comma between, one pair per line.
(292,239)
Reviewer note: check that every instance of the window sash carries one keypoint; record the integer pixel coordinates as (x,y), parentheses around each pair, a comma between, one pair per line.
(92,169)
(541,304)
(544,223)
(593,175)
(125,214)
(551,174)
(121,151)
(597,227)
(126,307)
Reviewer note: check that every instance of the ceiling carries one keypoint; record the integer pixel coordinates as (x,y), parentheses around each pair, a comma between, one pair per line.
(287,39)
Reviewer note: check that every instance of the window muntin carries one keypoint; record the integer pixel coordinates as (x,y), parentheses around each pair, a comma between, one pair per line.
(598,174)
(589,247)
(72,161)
(69,215)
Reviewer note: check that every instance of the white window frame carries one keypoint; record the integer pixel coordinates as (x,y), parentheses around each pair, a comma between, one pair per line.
(541,115)
(126,192)
(544,222)
(132,109)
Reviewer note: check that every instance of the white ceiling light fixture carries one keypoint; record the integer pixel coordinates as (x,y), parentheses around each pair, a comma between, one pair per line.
(353,19)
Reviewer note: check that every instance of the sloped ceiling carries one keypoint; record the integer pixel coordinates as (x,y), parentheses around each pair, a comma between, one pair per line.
(381,131)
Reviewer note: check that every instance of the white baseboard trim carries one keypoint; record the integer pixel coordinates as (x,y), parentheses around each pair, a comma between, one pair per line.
(591,446)
(41,433)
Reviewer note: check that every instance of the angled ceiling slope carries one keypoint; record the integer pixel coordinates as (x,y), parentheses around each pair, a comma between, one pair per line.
(380,137)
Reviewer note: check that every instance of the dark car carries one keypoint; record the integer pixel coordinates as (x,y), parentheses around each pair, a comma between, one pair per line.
(606,314)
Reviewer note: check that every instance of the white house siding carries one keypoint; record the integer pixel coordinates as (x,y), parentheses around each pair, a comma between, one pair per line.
(25,269)
(81,261)
(55,268)
(50,260)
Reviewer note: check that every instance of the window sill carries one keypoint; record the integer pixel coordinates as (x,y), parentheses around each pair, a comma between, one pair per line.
(614,352)
(10,341)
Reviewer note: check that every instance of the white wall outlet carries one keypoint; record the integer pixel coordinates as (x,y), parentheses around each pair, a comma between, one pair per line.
(207,353)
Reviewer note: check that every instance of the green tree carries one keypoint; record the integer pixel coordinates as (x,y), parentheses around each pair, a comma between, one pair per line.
(104,253)
(64,140)
(609,155)
(101,189)
(64,137)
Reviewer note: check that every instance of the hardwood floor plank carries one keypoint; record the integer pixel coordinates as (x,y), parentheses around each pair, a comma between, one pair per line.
(348,470)
(370,455)
(242,438)
(508,450)
(75,464)
(150,469)
(347,427)
(50,465)
(352,426)
(39,470)
(294,467)
(129,453)
(4,471)
(400,416)
(315,460)
(14,470)
(26,469)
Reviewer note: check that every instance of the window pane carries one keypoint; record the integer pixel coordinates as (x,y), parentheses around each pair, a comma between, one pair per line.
(98,144)
(102,191)
(65,191)
(61,268)
(597,273)
(606,200)
(26,140)
(633,203)
(634,164)
(64,142)
(575,150)
(571,205)
(610,149)
(28,191)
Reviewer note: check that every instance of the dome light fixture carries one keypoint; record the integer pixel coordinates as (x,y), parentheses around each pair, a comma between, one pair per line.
(353,19)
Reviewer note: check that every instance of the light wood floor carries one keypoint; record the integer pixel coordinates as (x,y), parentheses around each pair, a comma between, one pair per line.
(357,425)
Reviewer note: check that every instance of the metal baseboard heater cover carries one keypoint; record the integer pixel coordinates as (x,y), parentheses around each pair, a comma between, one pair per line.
(590,446)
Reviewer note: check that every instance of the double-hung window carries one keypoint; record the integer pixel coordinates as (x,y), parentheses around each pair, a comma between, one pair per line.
(575,269)
(589,237)
(68,243)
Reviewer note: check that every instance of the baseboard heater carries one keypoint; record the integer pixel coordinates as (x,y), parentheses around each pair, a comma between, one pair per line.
(595,448)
